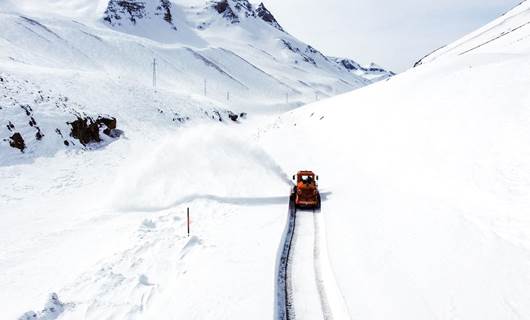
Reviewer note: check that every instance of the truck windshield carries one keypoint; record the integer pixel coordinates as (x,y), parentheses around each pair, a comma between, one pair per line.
(306,178)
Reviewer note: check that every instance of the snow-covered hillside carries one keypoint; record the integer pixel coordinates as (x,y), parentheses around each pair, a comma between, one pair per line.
(232,52)
(509,31)
(428,175)
(424,177)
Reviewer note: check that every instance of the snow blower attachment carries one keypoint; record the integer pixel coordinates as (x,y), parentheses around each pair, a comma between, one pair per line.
(306,190)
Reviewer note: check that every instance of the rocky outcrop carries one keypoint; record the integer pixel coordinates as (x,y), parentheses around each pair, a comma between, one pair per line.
(307,53)
(232,116)
(348,64)
(117,10)
(234,10)
(16,141)
(86,130)
(164,8)
(372,70)
(224,8)
(120,12)
(267,16)
(40,122)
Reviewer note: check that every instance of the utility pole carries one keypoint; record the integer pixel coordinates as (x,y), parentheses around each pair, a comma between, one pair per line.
(154,73)
(188,219)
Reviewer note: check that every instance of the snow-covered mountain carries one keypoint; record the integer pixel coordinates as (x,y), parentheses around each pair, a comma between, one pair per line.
(430,181)
(371,71)
(231,52)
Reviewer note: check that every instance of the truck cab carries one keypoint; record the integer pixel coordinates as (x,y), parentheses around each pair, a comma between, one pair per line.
(306,190)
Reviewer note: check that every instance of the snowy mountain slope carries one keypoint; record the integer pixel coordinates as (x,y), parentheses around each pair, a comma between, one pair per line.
(233,52)
(508,31)
(429,180)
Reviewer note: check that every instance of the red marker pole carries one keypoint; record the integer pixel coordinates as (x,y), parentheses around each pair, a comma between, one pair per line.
(188,222)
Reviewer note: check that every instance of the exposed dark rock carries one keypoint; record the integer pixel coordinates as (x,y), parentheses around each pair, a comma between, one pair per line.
(267,16)
(243,115)
(38,134)
(27,108)
(165,7)
(16,141)
(353,66)
(233,10)
(304,56)
(223,7)
(349,64)
(134,10)
(218,116)
(233,116)
(131,9)
(66,143)
(10,126)
(85,130)
(179,118)
(288,45)
(110,123)
(32,122)
(245,6)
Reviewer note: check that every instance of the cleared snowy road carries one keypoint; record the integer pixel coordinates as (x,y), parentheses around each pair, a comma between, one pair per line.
(307,279)
(305,285)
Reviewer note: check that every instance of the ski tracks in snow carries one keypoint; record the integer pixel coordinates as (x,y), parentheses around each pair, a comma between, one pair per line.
(306,284)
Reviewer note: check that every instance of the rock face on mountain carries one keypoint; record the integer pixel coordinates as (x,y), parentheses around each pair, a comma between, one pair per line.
(224,8)
(120,12)
(155,19)
(235,10)
(371,71)
(267,16)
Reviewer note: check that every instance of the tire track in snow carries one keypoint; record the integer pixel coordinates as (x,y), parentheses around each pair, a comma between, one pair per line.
(283,286)
(304,290)
(324,304)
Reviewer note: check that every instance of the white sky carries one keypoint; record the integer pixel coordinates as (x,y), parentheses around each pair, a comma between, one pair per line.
(392,33)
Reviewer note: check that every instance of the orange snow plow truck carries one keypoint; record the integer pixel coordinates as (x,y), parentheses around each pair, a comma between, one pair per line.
(306,193)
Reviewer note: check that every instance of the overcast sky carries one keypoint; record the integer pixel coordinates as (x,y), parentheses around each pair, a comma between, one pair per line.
(392,33)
